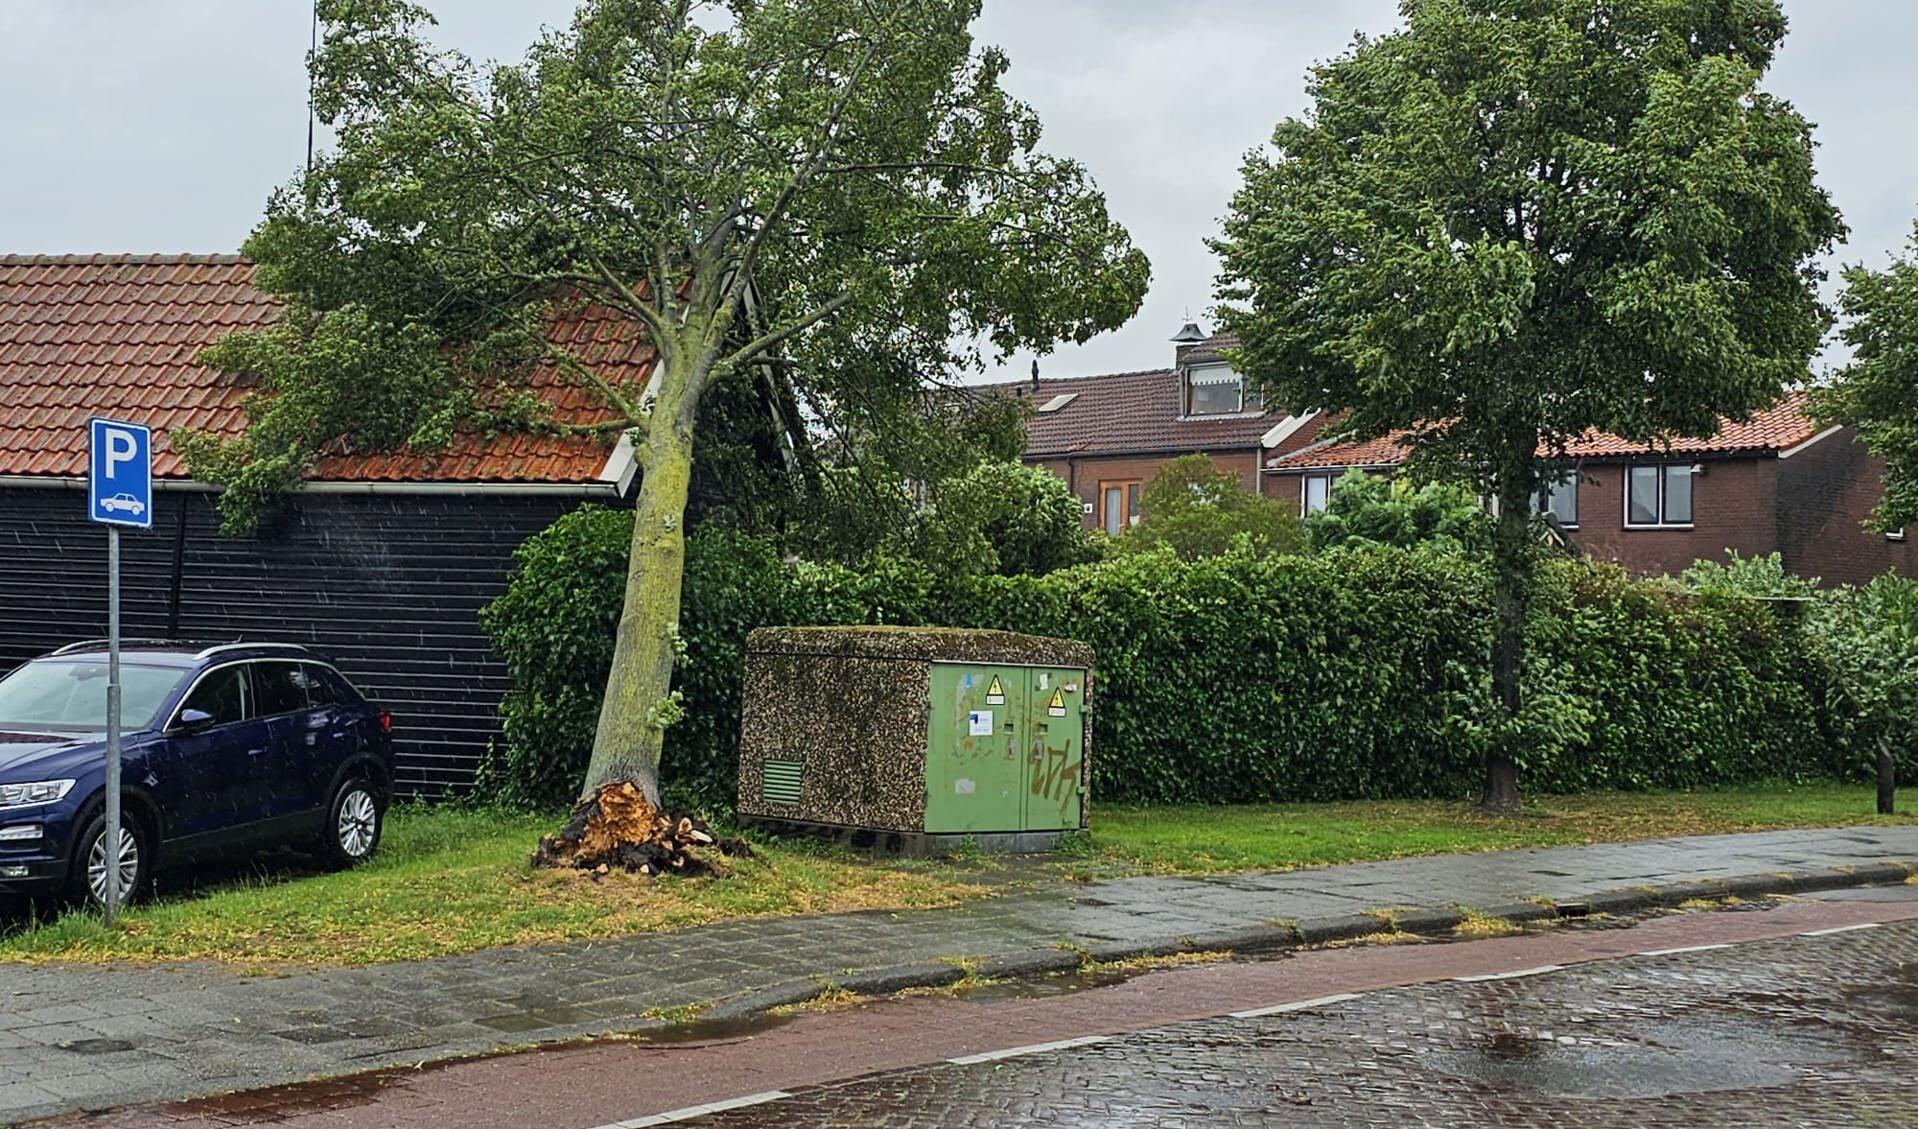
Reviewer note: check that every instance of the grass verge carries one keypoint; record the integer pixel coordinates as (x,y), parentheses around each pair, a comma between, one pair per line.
(1199,840)
(451,881)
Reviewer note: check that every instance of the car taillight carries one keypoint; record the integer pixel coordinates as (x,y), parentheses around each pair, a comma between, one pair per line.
(386,722)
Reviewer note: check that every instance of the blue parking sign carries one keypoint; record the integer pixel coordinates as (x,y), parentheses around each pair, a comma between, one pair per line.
(120,477)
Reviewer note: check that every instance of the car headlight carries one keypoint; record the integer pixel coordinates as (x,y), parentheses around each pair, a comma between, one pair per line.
(38,792)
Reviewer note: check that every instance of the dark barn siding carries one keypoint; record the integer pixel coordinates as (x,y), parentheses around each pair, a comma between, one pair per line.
(388,585)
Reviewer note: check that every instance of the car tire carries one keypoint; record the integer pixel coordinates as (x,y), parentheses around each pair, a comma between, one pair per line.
(86,868)
(355,817)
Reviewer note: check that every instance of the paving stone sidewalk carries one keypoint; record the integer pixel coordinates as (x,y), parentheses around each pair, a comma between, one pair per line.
(93,1037)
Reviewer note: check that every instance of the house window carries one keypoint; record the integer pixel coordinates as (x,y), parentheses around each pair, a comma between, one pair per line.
(1559,498)
(1119,506)
(1315,493)
(1214,390)
(1658,494)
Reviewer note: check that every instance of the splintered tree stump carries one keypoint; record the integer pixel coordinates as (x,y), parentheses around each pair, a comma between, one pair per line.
(618,829)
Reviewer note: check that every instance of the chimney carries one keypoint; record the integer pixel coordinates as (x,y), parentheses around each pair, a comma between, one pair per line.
(1035,376)
(1187,339)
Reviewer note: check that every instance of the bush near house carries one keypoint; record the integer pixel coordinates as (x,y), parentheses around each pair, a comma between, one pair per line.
(1356,673)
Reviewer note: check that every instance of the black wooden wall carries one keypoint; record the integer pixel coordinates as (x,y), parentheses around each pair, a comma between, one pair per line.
(387,585)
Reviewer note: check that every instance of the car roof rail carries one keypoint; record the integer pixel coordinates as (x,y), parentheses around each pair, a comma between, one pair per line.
(222,648)
(86,643)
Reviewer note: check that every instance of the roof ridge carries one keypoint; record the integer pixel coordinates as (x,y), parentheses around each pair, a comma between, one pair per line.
(174,258)
(1044,380)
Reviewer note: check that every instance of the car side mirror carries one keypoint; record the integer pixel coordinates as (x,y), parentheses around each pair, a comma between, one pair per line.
(192,721)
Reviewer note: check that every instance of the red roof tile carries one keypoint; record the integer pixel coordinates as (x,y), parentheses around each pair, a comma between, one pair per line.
(118,336)
(1780,427)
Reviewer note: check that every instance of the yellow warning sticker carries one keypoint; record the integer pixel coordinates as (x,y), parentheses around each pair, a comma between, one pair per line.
(996,693)
(1057,706)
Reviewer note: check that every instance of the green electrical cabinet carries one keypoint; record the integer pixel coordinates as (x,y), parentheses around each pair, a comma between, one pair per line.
(917,737)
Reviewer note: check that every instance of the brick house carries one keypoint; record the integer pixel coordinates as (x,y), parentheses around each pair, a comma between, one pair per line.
(382,561)
(1776,483)
(1106,436)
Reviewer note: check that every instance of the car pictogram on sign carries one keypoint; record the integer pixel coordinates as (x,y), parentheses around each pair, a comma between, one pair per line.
(123,503)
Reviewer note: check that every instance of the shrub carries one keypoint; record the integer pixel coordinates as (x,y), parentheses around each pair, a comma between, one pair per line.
(1360,672)
(1197,510)
(1372,509)
(1000,517)
(1865,644)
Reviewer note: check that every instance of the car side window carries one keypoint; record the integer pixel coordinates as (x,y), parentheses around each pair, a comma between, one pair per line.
(280,686)
(222,695)
(319,689)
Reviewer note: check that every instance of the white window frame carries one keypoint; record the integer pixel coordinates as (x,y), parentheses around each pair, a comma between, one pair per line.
(1897,534)
(1664,470)
(1212,376)
(1305,490)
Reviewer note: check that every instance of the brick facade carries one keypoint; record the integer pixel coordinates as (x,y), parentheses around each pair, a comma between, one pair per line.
(1085,473)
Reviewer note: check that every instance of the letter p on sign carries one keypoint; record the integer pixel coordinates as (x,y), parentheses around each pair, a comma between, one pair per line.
(120,473)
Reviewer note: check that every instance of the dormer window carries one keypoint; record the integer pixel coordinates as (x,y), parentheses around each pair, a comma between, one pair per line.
(1215,390)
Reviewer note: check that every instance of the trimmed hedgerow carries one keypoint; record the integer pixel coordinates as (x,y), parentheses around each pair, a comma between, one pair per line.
(1360,673)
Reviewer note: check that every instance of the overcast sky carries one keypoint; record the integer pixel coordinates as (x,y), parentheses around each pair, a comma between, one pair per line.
(161,125)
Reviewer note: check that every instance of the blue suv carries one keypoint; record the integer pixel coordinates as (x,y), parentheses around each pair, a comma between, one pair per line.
(227,749)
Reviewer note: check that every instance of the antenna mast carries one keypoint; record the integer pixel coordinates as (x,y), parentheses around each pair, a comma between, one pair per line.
(313,48)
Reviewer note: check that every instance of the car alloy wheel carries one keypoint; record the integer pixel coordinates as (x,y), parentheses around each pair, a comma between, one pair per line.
(358,824)
(129,864)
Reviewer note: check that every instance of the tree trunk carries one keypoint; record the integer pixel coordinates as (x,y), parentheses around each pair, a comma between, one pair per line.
(1511,593)
(633,717)
(1887,779)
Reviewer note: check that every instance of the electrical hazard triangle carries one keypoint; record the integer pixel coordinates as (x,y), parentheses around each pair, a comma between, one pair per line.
(1057,706)
(996,693)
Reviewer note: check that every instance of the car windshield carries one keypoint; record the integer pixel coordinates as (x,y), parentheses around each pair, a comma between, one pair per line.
(72,694)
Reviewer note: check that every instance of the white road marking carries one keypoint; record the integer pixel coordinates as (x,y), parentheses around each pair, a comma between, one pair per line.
(1034,1049)
(1540,970)
(693,1111)
(1300,1005)
(1683,949)
(1840,929)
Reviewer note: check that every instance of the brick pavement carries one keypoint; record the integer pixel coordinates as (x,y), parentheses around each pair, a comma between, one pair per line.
(75,1038)
(1809,1032)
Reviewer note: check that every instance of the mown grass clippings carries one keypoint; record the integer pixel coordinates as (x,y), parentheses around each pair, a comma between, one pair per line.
(1483,926)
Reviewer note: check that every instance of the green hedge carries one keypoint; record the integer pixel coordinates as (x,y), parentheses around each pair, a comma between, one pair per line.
(1360,673)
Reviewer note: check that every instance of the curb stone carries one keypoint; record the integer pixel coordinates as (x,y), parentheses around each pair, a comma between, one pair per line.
(1433,922)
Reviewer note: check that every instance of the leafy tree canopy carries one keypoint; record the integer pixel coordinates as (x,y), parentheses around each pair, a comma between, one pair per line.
(1371,509)
(1000,518)
(1198,510)
(828,193)
(1877,393)
(1513,221)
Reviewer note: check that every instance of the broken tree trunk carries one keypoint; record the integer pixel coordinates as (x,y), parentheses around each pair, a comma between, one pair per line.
(617,827)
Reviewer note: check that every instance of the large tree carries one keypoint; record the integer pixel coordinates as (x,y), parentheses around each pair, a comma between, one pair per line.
(836,193)
(1512,221)
(1877,392)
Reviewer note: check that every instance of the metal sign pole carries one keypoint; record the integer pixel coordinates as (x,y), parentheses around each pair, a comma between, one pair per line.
(113,724)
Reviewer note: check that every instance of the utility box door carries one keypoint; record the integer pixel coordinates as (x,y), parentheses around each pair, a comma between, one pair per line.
(1056,749)
(976,751)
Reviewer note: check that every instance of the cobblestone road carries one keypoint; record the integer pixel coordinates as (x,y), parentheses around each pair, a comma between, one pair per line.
(1811,1031)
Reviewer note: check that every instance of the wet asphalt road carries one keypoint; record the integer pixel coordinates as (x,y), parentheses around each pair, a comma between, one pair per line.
(1796,1011)
(1805,1031)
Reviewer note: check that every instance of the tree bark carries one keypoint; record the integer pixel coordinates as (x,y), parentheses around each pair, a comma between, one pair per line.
(1887,779)
(632,725)
(1511,594)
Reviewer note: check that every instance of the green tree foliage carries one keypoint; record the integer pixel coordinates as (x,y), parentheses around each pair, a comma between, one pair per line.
(1001,518)
(1866,639)
(830,191)
(1197,510)
(1238,678)
(1877,393)
(1751,577)
(1372,509)
(1513,221)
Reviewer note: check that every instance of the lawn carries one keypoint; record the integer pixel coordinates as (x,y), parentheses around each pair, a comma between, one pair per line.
(1288,836)
(451,881)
